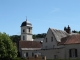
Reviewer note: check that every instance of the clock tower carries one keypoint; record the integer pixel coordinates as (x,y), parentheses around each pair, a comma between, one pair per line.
(26,31)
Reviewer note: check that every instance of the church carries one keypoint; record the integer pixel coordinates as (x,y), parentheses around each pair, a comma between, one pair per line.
(56,44)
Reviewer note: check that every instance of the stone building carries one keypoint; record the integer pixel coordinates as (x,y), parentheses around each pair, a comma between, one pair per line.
(57,43)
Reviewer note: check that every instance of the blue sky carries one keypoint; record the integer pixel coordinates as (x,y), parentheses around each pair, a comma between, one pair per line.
(41,13)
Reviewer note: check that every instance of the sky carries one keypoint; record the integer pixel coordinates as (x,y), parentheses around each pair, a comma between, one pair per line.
(43,14)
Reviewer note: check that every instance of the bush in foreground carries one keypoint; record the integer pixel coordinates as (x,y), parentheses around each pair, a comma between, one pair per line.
(7,49)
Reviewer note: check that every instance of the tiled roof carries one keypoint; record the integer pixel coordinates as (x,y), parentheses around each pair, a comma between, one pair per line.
(59,34)
(72,39)
(30,44)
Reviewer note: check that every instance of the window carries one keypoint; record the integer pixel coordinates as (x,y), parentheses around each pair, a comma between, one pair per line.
(55,56)
(73,53)
(29,29)
(51,39)
(23,30)
(23,37)
(46,39)
(26,54)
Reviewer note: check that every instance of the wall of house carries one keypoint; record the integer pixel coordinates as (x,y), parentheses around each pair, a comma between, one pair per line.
(29,53)
(50,54)
(50,44)
(72,46)
(61,53)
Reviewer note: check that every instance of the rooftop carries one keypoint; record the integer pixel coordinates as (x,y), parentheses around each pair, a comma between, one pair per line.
(30,44)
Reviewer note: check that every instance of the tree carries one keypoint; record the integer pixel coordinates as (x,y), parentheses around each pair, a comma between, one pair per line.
(39,35)
(7,48)
(79,32)
(74,31)
(15,38)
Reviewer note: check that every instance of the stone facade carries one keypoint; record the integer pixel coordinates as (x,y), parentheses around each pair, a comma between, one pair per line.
(57,44)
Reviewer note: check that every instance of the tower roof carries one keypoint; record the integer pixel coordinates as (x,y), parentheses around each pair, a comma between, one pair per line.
(26,23)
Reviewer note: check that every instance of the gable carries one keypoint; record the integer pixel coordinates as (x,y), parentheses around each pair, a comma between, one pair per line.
(49,42)
(49,35)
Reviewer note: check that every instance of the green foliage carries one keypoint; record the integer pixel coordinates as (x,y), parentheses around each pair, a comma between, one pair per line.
(19,58)
(7,48)
(74,31)
(15,38)
(39,35)
(79,32)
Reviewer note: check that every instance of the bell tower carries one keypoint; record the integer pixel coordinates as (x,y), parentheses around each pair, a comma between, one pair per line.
(26,31)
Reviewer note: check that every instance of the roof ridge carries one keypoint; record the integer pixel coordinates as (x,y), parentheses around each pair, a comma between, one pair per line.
(57,29)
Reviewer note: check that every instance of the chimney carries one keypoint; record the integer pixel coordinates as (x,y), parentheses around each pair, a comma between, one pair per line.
(68,29)
(64,28)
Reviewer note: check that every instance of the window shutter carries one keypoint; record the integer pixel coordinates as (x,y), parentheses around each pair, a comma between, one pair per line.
(69,52)
(75,52)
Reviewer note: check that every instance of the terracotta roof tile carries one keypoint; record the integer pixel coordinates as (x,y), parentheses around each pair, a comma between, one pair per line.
(72,39)
(30,44)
